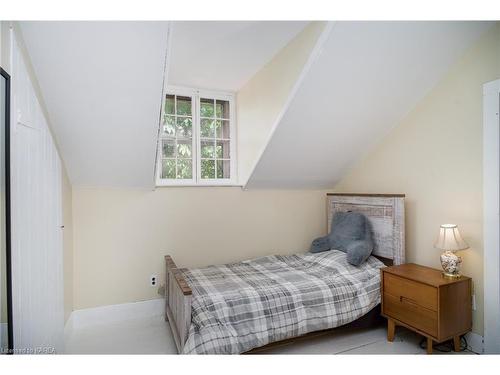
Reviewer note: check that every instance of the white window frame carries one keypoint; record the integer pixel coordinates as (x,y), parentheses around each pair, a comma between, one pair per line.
(195,95)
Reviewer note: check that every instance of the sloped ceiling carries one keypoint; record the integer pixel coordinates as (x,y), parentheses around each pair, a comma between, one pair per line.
(367,76)
(224,55)
(102,84)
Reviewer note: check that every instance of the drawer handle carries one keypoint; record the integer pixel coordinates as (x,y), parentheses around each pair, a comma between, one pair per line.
(407,300)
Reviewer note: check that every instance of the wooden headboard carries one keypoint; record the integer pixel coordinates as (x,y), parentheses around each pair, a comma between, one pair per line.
(386,213)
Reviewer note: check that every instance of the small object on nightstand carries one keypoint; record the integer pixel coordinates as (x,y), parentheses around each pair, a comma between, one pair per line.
(421,299)
(450,241)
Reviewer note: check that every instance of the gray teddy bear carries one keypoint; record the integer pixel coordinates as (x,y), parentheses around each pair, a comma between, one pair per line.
(351,233)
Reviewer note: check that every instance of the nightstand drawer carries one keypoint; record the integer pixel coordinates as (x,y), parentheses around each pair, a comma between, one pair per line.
(411,313)
(420,294)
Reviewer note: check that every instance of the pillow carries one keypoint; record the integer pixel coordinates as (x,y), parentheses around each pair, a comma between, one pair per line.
(351,233)
(320,244)
(358,252)
(346,227)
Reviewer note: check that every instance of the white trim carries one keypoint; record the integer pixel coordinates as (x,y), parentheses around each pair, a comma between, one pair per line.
(186,90)
(163,100)
(68,330)
(475,342)
(491,207)
(80,319)
(313,57)
(201,184)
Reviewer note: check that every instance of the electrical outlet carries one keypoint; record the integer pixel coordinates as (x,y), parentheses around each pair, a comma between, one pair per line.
(474,302)
(153,280)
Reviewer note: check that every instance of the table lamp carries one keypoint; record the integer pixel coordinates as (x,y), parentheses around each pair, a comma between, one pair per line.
(450,241)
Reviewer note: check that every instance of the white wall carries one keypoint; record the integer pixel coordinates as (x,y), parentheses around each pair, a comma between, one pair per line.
(37,253)
(67,221)
(5,27)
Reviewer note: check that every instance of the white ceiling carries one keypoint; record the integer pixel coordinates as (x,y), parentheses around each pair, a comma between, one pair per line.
(367,77)
(224,55)
(102,84)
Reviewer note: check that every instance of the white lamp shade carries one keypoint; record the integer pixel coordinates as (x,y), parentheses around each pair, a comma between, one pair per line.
(450,239)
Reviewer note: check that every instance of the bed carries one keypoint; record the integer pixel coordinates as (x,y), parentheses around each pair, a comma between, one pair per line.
(246,306)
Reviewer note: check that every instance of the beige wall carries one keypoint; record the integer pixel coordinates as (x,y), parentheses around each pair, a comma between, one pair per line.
(435,157)
(261,100)
(121,236)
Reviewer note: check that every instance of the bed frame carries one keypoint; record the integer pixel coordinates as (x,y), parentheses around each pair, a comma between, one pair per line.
(386,214)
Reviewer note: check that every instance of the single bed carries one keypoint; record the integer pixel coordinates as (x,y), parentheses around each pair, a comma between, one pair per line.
(243,306)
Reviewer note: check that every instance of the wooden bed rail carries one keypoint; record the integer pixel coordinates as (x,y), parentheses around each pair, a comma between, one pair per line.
(178,298)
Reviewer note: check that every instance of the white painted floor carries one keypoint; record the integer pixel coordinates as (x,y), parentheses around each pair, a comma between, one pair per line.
(152,336)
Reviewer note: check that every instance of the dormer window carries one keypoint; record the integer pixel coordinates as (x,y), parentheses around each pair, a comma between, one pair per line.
(197,139)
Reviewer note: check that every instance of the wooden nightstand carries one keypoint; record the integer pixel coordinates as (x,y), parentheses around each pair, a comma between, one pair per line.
(423,300)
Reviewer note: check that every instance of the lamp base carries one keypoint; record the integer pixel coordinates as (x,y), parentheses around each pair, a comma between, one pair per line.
(451,275)
(451,264)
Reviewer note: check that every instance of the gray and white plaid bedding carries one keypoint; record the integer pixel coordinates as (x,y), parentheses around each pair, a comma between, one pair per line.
(240,306)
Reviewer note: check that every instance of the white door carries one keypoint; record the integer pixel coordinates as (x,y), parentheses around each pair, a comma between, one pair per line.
(37,263)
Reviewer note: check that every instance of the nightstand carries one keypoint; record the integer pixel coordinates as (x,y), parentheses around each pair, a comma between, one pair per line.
(423,300)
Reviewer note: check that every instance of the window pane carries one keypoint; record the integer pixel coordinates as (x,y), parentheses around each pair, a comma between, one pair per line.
(218,128)
(184,127)
(169,105)
(223,168)
(184,148)
(168,168)
(222,149)
(168,148)
(207,128)
(222,109)
(206,107)
(184,168)
(184,105)
(207,149)
(225,130)
(208,169)
(169,126)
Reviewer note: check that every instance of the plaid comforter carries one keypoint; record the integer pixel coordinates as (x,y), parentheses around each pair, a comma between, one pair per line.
(240,306)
